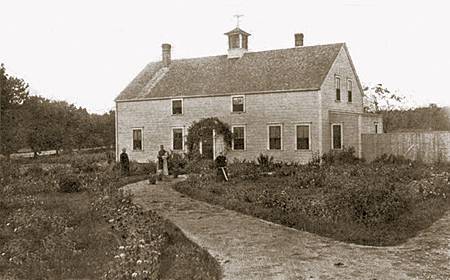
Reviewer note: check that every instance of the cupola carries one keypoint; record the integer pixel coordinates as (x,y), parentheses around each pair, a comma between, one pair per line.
(237,42)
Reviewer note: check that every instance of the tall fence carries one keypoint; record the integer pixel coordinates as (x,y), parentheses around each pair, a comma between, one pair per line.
(426,146)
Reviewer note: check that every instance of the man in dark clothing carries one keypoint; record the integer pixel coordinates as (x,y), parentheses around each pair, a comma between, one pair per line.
(221,165)
(124,163)
(161,153)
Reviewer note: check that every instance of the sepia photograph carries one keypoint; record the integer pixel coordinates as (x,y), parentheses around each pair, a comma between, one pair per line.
(224,140)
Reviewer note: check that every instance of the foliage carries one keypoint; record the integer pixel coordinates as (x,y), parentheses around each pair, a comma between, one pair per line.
(152,179)
(96,234)
(41,124)
(346,155)
(264,160)
(392,159)
(431,118)
(379,98)
(146,168)
(69,183)
(379,203)
(177,163)
(13,93)
(200,166)
(203,129)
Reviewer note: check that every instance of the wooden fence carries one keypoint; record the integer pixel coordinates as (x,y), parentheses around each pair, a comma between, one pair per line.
(426,146)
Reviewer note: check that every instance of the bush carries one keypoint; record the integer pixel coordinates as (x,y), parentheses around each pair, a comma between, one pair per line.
(83,164)
(35,170)
(244,170)
(377,205)
(137,168)
(264,160)
(152,179)
(392,159)
(177,164)
(346,155)
(69,183)
(200,166)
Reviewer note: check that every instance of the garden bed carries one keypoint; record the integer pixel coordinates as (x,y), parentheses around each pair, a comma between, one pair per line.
(88,229)
(370,204)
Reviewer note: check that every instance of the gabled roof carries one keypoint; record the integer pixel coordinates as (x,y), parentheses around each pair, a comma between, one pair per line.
(301,68)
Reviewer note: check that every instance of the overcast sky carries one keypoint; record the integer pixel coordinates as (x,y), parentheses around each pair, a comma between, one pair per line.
(86,52)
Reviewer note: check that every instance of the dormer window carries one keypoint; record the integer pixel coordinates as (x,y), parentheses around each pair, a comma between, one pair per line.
(177,106)
(238,104)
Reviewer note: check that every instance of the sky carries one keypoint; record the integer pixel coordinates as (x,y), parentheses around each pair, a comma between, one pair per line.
(86,52)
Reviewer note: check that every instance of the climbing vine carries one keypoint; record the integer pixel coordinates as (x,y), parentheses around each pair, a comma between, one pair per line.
(198,131)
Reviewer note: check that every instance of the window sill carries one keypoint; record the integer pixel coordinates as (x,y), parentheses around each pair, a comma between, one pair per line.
(237,112)
(337,101)
(137,151)
(175,115)
(304,150)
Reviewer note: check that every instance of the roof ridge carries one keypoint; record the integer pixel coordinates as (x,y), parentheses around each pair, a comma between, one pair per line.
(257,52)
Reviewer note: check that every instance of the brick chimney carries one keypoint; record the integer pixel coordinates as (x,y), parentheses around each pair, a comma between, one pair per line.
(166,53)
(299,39)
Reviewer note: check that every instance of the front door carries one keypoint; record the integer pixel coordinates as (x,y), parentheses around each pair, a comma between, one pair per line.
(208,147)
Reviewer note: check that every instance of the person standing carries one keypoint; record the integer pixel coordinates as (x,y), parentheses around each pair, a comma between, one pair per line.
(161,154)
(124,163)
(221,165)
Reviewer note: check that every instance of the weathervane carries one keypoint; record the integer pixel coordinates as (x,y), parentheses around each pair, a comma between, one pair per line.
(238,19)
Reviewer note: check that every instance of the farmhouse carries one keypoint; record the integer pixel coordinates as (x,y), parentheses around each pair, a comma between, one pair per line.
(289,103)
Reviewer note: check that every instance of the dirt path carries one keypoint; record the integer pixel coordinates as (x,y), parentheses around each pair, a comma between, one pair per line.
(249,248)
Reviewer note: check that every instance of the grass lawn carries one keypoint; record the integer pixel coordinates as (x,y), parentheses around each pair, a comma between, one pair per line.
(94,232)
(371,204)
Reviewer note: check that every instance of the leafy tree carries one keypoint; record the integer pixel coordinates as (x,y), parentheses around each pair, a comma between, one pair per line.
(380,98)
(13,92)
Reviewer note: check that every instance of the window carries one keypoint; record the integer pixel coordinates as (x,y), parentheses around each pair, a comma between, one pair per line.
(303,137)
(376,127)
(238,138)
(336,136)
(274,137)
(234,41)
(338,88)
(349,90)
(137,139)
(237,104)
(177,106)
(177,139)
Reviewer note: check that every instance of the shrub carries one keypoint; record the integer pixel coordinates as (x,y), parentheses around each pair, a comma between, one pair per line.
(35,170)
(346,155)
(200,166)
(177,164)
(244,170)
(264,160)
(392,159)
(137,168)
(69,183)
(82,164)
(152,179)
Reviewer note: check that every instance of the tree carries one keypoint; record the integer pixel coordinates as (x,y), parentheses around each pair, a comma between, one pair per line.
(14,92)
(380,100)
